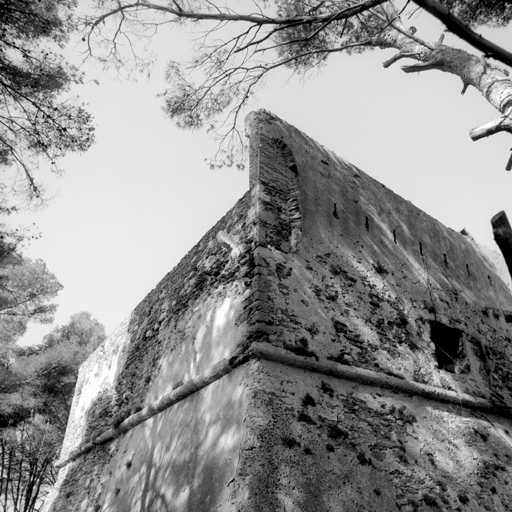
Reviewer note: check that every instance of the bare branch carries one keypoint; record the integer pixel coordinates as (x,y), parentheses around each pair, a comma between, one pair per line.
(502,124)
(422,66)
(397,57)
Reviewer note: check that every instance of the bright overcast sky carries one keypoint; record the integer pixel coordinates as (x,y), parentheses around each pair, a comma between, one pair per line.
(129,209)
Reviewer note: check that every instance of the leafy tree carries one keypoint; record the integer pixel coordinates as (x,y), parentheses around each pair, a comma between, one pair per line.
(9,243)
(26,288)
(35,120)
(36,391)
(227,67)
(47,373)
(82,330)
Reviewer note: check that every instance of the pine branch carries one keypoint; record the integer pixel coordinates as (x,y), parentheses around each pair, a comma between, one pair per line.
(460,29)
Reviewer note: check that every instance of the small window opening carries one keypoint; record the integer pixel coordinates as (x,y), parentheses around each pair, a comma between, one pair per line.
(394,236)
(335,212)
(449,345)
(367,224)
(421,248)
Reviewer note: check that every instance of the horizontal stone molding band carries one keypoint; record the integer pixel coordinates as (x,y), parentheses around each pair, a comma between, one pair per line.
(217,371)
(271,353)
(377,379)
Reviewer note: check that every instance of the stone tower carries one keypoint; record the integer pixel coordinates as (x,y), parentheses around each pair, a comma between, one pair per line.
(326,346)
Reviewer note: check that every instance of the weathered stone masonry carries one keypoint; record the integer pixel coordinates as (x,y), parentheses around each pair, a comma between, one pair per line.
(325,347)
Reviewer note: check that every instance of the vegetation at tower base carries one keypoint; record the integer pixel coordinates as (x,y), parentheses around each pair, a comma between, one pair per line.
(326,346)
(36,122)
(241,45)
(36,388)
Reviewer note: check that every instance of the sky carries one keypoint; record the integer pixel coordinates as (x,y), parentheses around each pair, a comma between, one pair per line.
(126,211)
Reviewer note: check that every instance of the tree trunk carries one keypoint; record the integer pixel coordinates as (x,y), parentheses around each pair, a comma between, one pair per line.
(492,82)
(503,235)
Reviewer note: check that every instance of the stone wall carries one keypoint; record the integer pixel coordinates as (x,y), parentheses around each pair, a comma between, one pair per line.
(189,322)
(317,443)
(326,346)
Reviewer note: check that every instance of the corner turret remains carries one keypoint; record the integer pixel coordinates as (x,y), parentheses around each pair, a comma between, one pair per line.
(326,346)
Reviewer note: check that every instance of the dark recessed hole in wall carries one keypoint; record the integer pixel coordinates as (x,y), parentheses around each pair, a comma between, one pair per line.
(305,418)
(308,401)
(449,346)
(445,259)
(324,162)
(394,236)
(367,224)
(490,279)
(508,316)
(289,442)
(335,212)
(326,388)
(467,270)
(421,248)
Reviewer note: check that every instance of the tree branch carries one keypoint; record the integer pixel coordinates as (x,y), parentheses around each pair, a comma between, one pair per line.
(250,18)
(394,21)
(397,57)
(502,124)
(503,236)
(231,69)
(460,29)
(421,66)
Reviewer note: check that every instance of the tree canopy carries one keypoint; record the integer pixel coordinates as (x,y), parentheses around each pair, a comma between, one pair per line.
(26,289)
(38,122)
(82,330)
(238,49)
(48,371)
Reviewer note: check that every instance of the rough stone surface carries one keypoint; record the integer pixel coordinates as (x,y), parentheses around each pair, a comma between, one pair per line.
(325,264)
(315,443)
